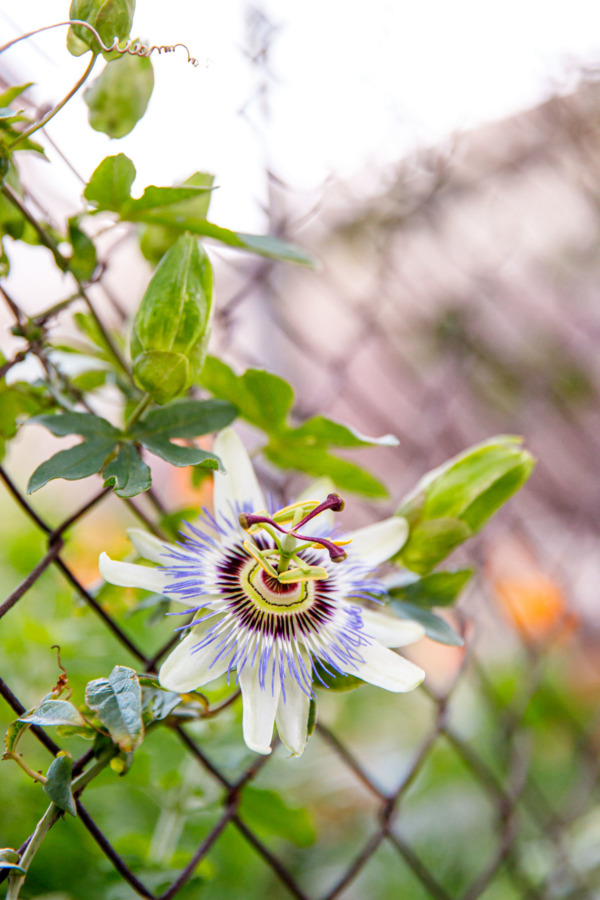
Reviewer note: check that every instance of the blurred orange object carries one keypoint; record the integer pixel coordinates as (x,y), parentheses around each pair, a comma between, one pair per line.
(528,596)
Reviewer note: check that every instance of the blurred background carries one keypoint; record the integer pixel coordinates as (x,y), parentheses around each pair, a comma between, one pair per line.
(443,164)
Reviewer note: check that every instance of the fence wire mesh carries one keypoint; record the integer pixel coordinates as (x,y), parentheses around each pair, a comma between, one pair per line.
(457,301)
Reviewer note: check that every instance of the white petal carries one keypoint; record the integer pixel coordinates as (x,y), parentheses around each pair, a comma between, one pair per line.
(260,706)
(319,490)
(292,716)
(378,542)
(389,630)
(149,546)
(183,670)
(132,575)
(385,669)
(240,485)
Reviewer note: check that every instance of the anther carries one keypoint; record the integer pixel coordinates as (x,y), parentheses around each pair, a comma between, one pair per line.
(333,502)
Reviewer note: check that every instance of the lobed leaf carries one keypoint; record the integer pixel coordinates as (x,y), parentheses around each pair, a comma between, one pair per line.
(77,462)
(185,419)
(127,473)
(84,424)
(182,456)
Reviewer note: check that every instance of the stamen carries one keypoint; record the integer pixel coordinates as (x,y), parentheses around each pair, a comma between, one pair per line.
(333,502)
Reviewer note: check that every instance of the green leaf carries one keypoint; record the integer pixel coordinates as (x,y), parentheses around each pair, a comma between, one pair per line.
(430,542)
(83,259)
(435,627)
(11,93)
(267,812)
(89,327)
(437,589)
(172,522)
(265,400)
(157,704)
(454,486)
(172,325)
(155,240)
(317,462)
(78,423)
(82,460)
(320,430)
(9,859)
(185,419)
(273,248)
(127,473)
(87,732)
(182,456)
(90,380)
(18,401)
(110,18)
(454,501)
(14,733)
(168,199)
(262,398)
(118,98)
(77,462)
(117,701)
(58,785)
(53,712)
(109,188)
(263,245)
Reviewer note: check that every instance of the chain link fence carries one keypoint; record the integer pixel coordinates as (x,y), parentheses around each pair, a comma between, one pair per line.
(459,300)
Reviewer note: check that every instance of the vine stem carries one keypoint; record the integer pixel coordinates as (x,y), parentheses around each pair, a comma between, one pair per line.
(50,115)
(16,881)
(63,265)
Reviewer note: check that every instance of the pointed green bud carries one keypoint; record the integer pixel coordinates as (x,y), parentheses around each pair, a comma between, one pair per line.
(172,325)
(454,501)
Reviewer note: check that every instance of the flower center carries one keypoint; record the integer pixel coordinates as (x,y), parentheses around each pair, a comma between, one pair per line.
(270,595)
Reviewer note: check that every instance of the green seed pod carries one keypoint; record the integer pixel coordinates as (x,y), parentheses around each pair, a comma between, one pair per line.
(172,325)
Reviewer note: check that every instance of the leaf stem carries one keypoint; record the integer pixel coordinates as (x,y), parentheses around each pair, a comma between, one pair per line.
(50,115)
(137,412)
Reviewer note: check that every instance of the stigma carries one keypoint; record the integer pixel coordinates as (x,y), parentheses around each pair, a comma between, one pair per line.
(284,561)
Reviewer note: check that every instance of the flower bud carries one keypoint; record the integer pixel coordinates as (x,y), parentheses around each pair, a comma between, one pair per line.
(172,325)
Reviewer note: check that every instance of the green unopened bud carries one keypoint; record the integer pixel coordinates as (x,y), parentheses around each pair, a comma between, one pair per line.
(172,325)
(110,18)
(453,502)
